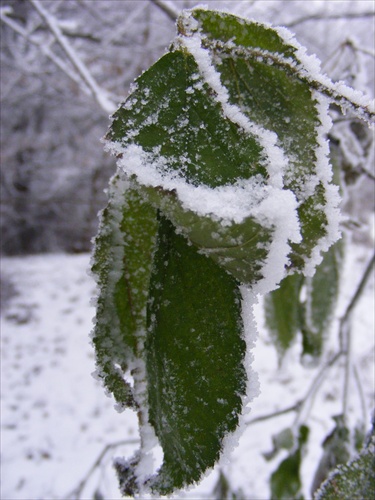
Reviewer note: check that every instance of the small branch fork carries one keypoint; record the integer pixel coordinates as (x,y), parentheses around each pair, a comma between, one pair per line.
(99,94)
(81,75)
(77,491)
(304,405)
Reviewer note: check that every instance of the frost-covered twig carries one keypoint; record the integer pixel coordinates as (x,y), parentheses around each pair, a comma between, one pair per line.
(77,491)
(100,95)
(277,413)
(168,8)
(357,294)
(42,47)
(317,382)
(345,330)
(329,17)
(361,393)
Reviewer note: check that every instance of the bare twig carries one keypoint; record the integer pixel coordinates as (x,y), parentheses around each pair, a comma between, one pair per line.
(357,294)
(77,491)
(345,330)
(329,17)
(168,8)
(277,413)
(43,48)
(314,387)
(361,394)
(99,94)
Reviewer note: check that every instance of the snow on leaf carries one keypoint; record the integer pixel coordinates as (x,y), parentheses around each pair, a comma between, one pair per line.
(122,264)
(248,57)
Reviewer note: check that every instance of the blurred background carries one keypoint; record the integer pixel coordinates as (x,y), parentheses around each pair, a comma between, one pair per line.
(59,87)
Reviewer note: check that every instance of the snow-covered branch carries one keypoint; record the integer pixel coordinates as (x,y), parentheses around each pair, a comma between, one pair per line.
(100,95)
(329,17)
(4,17)
(168,8)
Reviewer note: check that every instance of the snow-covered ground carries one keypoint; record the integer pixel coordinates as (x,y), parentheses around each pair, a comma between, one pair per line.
(56,419)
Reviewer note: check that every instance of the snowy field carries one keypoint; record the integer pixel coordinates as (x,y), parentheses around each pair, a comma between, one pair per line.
(56,419)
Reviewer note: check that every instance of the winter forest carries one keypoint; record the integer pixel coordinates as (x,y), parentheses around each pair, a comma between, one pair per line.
(288,402)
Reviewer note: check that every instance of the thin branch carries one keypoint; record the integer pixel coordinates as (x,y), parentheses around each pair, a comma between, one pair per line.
(314,387)
(168,8)
(43,48)
(77,491)
(348,367)
(345,330)
(361,394)
(99,94)
(329,17)
(277,413)
(357,294)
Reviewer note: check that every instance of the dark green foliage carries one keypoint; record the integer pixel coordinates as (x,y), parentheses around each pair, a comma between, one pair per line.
(286,481)
(354,480)
(335,452)
(287,313)
(283,312)
(122,264)
(321,297)
(270,94)
(195,359)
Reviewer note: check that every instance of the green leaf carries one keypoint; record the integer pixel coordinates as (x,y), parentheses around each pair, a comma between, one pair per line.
(354,480)
(283,440)
(122,264)
(206,148)
(212,113)
(286,314)
(283,312)
(321,298)
(286,481)
(239,248)
(173,115)
(335,452)
(223,490)
(195,359)
(259,70)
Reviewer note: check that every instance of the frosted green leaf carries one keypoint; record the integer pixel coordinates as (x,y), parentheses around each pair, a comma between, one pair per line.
(186,133)
(283,312)
(195,359)
(258,66)
(354,480)
(239,248)
(335,451)
(122,265)
(285,480)
(283,440)
(321,297)
(223,138)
